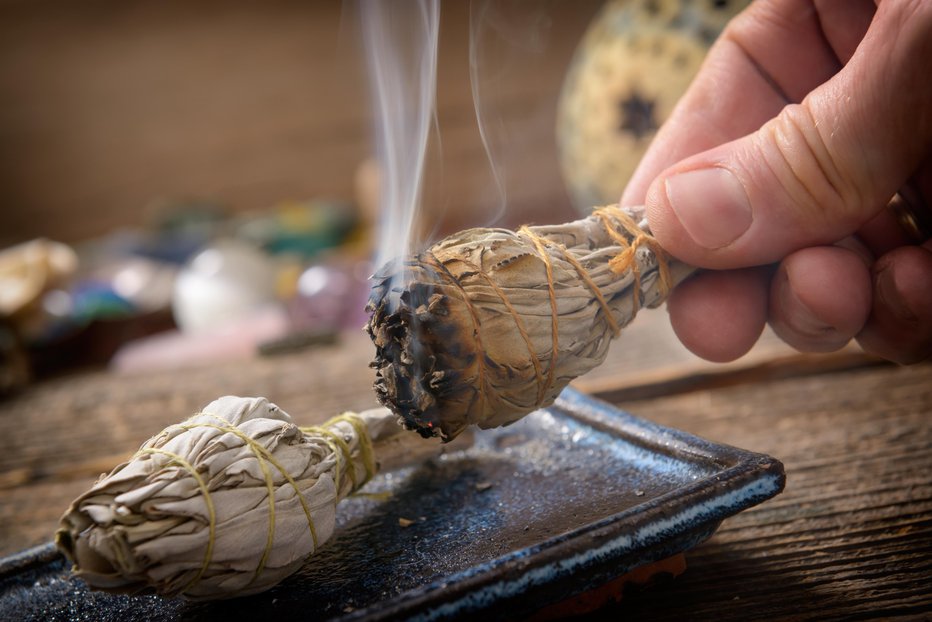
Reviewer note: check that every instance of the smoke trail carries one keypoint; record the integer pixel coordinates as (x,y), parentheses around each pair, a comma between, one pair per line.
(401,47)
(478,14)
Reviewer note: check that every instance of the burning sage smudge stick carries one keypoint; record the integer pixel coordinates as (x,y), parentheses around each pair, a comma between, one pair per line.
(228,503)
(488,325)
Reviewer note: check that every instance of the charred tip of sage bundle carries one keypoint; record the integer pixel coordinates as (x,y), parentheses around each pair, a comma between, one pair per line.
(407,308)
(490,324)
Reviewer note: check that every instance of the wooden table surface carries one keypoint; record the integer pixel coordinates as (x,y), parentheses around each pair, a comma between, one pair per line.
(850,537)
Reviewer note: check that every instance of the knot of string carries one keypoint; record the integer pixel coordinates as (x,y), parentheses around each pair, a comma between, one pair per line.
(611,217)
(328,432)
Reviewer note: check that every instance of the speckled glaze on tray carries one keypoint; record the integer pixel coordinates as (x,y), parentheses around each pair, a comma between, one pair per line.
(557,504)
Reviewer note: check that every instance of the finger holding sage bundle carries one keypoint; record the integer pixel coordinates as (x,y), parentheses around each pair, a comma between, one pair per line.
(488,325)
(228,503)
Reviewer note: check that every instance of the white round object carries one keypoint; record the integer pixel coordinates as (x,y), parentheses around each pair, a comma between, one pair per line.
(223,283)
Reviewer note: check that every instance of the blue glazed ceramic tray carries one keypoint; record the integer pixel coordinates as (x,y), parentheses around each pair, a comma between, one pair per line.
(557,504)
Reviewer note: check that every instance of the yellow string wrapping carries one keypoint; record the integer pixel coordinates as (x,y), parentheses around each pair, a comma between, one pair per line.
(339,447)
(211,513)
(265,457)
(366,451)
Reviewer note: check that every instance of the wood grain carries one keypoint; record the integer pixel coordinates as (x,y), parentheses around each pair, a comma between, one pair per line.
(851,536)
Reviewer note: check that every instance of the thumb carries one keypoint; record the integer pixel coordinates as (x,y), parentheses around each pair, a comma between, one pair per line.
(819,170)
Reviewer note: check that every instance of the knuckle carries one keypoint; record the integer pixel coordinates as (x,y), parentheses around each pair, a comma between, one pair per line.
(813,175)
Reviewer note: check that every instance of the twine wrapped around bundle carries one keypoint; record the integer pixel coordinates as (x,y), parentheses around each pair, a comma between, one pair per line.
(228,503)
(488,325)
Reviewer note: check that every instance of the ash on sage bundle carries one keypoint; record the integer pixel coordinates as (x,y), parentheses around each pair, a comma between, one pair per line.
(488,325)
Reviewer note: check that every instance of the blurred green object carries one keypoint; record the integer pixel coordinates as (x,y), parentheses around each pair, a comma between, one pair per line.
(635,61)
(93,300)
(189,216)
(179,228)
(303,228)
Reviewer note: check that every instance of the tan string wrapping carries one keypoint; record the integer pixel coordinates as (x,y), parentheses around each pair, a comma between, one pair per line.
(490,324)
(539,244)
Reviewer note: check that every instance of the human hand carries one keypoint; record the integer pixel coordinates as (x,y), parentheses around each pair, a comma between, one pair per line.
(804,121)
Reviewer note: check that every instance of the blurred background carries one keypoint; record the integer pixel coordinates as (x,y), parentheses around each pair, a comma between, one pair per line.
(111,109)
(187,182)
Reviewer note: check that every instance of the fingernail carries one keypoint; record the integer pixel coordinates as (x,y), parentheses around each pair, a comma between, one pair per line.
(711,204)
(889,294)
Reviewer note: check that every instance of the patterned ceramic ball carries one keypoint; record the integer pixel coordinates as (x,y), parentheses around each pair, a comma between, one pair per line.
(633,64)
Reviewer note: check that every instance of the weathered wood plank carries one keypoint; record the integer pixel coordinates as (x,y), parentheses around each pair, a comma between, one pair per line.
(850,538)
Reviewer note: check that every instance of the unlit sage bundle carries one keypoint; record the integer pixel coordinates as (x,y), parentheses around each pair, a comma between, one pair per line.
(228,503)
(488,325)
